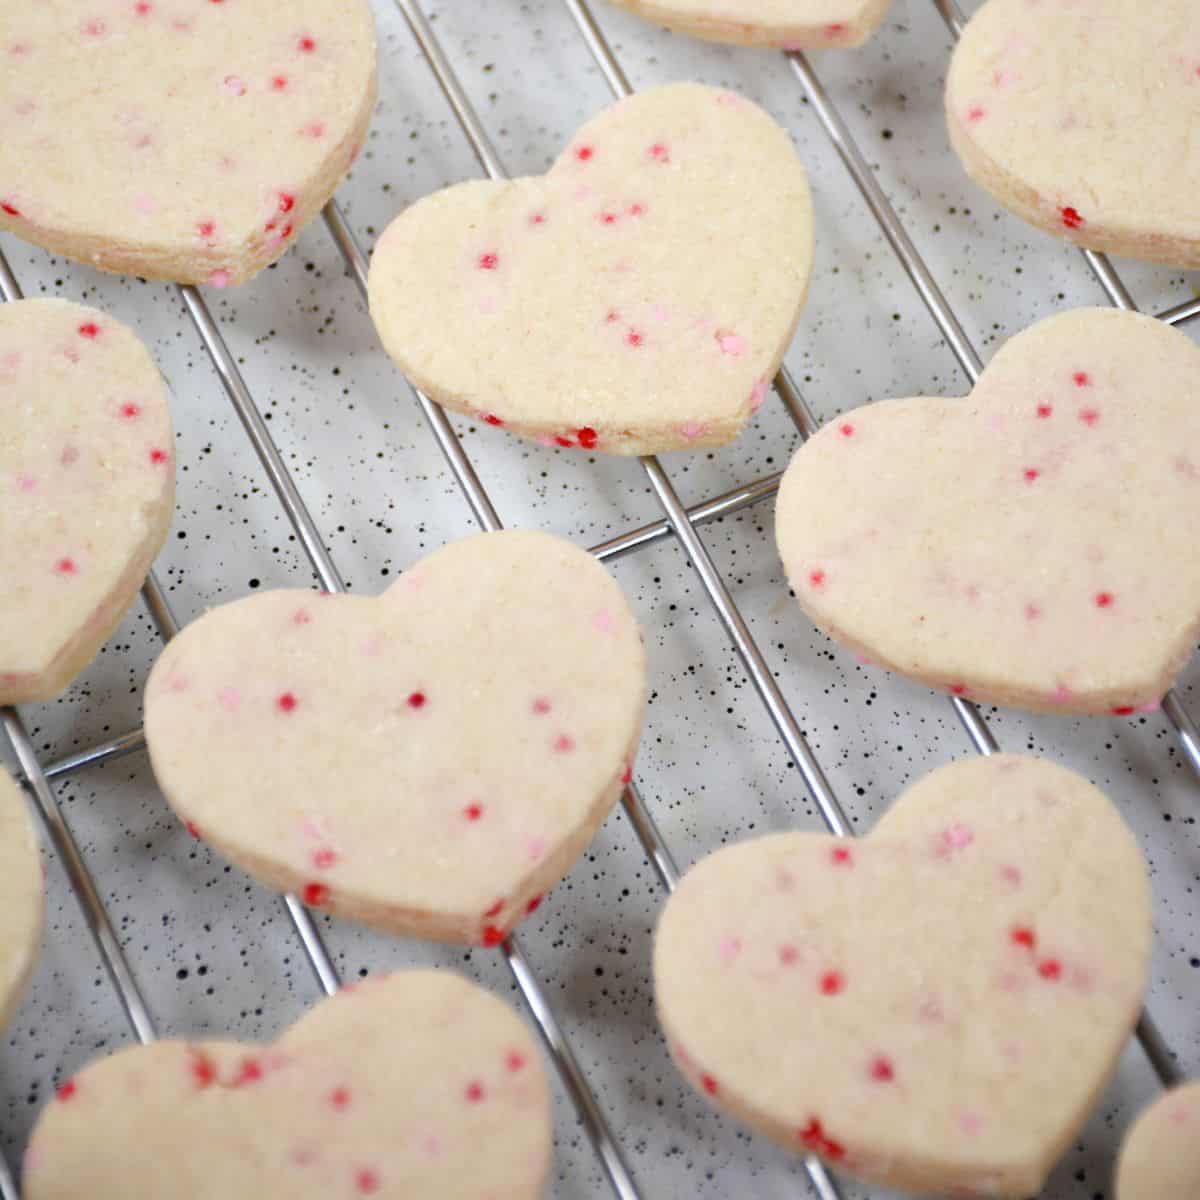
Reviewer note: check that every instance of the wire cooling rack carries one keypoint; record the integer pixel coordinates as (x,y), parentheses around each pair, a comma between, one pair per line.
(188,945)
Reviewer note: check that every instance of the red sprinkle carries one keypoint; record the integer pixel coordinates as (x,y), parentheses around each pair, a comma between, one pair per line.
(584,153)
(788,955)
(564,743)
(192,828)
(11,209)
(846,430)
(475,1092)
(1089,416)
(488,262)
(840,856)
(832,982)
(1081,379)
(143,7)
(1031,473)
(515,1061)
(67,1091)
(306,45)
(416,700)
(340,1098)
(494,911)
(565,442)
(627,774)
(315,894)
(1044,410)
(660,153)
(324,858)
(206,229)
(286,703)
(816,578)
(634,338)
(813,1136)
(1124,710)
(1070,217)
(1104,599)
(958,689)
(129,411)
(882,1070)
(1022,935)
(158,457)
(709,1084)
(473,812)
(204,1073)
(1050,969)
(975,113)
(492,419)
(492,936)
(65,566)
(587,437)
(90,330)
(278,83)
(532,906)
(250,1072)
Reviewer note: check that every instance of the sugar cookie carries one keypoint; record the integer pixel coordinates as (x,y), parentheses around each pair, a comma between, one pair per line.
(1080,118)
(175,139)
(935,1008)
(20,896)
(1027,545)
(638,298)
(87,476)
(790,24)
(1160,1157)
(414,1084)
(430,761)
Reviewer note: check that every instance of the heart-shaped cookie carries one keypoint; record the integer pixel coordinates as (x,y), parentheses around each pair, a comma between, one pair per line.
(1027,545)
(87,480)
(1080,118)
(179,139)
(935,1008)
(1160,1157)
(430,761)
(637,298)
(791,24)
(20,896)
(415,1084)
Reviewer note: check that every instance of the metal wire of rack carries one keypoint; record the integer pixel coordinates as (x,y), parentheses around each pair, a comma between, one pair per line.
(677,521)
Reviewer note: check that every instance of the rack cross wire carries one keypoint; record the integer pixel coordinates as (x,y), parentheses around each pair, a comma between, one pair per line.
(677,521)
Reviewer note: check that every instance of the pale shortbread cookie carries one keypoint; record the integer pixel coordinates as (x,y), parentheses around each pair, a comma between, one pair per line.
(87,477)
(1028,545)
(178,139)
(430,761)
(790,24)
(638,298)
(20,896)
(417,1084)
(1160,1157)
(1081,118)
(936,1008)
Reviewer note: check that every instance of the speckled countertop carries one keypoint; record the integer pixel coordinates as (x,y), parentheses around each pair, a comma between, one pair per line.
(212,951)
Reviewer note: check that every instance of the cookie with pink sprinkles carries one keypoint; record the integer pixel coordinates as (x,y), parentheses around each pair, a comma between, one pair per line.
(187,140)
(430,761)
(415,1084)
(935,1008)
(1027,545)
(638,297)
(786,24)
(87,479)
(1081,117)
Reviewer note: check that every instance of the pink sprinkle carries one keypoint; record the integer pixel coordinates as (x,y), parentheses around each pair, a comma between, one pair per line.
(1089,416)
(146,204)
(788,955)
(314,130)
(514,1061)
(26,483)
(1062,694)
(340,1098)
(69,456)
(732,344)
(691,430)
(95,28)
(603,621)
(1032,612)
(219,278)
(1011,875)
(541,706)
(633,338)
(234,86)
(728,949)
(564,744)
(66,566)
(758,395)
(537,218)
(475,1092)
(536,847)
(366,1180)
(975,113)
(957,837)
(230,699)
(659,153)
(969,1123)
